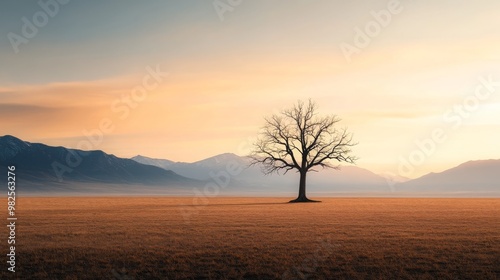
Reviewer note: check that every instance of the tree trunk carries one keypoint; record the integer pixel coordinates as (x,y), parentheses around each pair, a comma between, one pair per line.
(302,189)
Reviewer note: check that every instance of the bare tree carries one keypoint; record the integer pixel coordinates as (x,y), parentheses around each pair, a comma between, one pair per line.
(298,139)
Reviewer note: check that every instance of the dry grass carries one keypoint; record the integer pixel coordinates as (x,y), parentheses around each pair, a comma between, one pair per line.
(257,238)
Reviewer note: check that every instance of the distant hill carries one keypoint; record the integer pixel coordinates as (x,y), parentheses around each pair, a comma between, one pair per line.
(162,163)
(481,177)
(252,180)
(476,178)
(38,164)
(200,169)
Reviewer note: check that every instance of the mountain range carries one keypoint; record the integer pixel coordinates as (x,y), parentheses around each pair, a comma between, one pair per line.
(43,169)
(476,178)
(250,179)
(480,177)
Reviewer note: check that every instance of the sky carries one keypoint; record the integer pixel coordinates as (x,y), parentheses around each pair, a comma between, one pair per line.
(185,80)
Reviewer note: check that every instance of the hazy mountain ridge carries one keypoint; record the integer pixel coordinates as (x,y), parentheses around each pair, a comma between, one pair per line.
(35,171)
(199,169)
(37,166)
(478,176)
(162,163)
(348,178)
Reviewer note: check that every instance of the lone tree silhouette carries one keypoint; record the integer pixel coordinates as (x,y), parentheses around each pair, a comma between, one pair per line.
(298,138)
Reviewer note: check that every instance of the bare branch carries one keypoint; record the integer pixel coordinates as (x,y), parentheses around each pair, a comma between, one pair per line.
(299,139)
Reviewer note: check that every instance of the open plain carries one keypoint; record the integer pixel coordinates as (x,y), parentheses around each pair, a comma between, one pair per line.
(255,238)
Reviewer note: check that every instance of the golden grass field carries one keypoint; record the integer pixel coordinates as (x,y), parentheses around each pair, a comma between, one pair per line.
(256,238)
